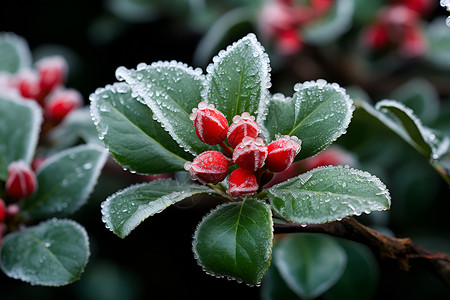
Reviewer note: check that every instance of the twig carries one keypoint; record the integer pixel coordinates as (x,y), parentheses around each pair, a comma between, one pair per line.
(400,249)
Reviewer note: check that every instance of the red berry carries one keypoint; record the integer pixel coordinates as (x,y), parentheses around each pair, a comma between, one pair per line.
(242,126)
(242,182)
(250,153)
(208,167)
(21,180)
(27,82)
(2,210)
(62,101)
(52,72)
(281,153)
(210,124)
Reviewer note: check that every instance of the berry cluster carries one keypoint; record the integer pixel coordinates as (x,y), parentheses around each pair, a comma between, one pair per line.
(45,85)
(282,21)
(255,160)
(398,28)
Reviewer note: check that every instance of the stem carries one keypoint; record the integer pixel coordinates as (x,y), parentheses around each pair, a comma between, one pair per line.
(226,150)
(400,249)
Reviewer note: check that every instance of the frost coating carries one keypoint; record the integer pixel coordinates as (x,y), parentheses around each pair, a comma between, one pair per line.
(327,194)
(44,255)
(126,209)
(436,148)
(224,66)
(171,90)
(241,253)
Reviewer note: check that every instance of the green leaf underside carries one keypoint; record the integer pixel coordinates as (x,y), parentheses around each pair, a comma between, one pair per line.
(136,140)
(20,122)
(126,209)
(53,253)
(318,113)
(408,121)
(328,194)
(14,53)
(235,241)
(402,121)
(171,90)
(238,79)
(309,263)
(65,182)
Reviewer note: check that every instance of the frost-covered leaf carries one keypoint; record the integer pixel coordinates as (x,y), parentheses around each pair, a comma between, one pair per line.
(318,113)
(53,253)
(171,90)
(235,241)
(332,25)
(402,121)
(421,96)
(126,209)
(134,138)
(328,194)
(76,126)
(20,122)
(239,78)
(309,263)
(65,182)
(14,53)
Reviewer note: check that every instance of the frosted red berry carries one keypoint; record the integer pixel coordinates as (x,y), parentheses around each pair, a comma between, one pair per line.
(52,72)
(242,182)
(61,102)
(27,82)
(2,210)
(281,153)
(21,180)
(250,153)
(242,126)
(210,124)
(208,167)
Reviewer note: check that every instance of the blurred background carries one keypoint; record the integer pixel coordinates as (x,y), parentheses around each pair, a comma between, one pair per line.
(381,49)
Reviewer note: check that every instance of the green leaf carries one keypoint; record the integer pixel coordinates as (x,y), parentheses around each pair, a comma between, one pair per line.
(171,90)
(239,78)
(53,253)
(76,126)
(332,25)
(328,194)
(134,138)
(402,121)
(126,209)
(14,53)
(318,113)
(65,182)
(406,121)
(235,240)
(309,263)
(421,96)
(274,287)
(20,123)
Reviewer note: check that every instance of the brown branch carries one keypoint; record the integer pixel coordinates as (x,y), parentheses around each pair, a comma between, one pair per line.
(400,249)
